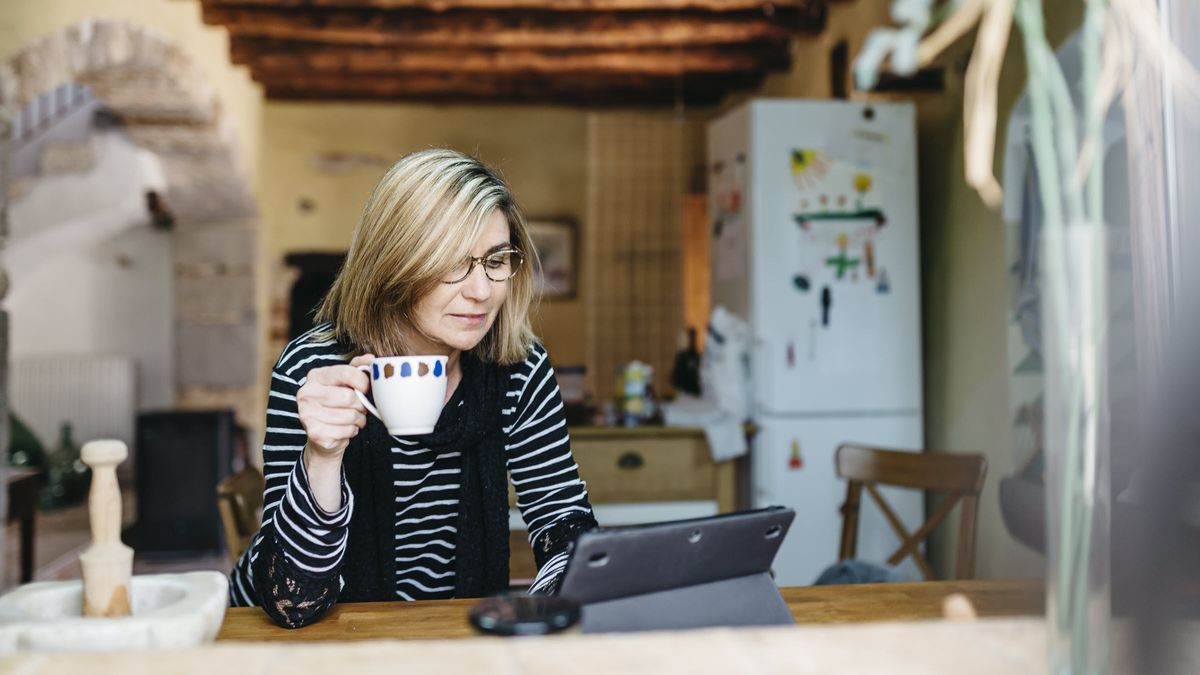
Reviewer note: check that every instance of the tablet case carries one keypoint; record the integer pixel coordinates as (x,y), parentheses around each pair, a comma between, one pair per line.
(680,574)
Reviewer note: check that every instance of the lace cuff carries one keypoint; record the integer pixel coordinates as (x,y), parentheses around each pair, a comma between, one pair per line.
(551,550)
(292,597)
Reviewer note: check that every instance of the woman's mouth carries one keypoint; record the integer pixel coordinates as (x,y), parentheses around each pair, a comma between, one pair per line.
(470,320)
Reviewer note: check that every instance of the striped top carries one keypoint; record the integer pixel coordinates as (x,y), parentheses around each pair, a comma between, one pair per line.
(539,463)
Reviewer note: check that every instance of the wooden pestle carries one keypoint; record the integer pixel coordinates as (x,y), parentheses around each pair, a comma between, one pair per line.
(107,563)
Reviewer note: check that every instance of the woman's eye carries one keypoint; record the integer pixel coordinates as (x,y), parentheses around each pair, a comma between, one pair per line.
(496,262)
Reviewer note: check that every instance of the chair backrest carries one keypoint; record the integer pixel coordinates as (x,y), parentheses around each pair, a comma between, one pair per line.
(240,500)
(959,476)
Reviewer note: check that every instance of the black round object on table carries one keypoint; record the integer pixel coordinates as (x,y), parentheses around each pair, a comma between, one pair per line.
(519,614)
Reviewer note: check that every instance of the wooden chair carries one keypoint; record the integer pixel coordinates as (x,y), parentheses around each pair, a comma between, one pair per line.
(240,500)
(959,476)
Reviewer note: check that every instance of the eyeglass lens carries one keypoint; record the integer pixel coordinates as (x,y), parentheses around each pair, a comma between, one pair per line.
(499,266)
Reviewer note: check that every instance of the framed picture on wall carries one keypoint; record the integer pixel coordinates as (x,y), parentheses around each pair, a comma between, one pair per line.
(554,239)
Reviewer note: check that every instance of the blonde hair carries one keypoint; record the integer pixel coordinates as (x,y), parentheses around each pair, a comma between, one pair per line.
(419,223)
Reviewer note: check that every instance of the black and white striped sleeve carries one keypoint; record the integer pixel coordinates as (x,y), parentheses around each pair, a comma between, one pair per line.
(552,498)
(297,539)
(311,539)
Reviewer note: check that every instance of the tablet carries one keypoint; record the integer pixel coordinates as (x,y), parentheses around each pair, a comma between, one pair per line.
(680,574)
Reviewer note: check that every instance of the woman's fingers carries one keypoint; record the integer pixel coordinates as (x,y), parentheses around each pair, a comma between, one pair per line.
(340,376)
(337,416)
(328,405)
(339,397)
(334,387)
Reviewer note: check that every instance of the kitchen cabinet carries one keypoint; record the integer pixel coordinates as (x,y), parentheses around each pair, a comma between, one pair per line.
(657,473)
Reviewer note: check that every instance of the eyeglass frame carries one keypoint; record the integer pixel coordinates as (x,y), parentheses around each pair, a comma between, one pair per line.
(480,260)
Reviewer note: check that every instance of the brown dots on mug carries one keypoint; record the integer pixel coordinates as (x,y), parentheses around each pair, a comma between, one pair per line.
(388,371)
(422,369)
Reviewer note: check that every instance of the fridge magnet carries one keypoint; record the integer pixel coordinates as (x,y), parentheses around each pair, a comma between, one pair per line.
(791,354)
(795,461)
(883,286)
(808,168)
(800,281)
(841,263)
(826,304)
(869,258)
(862,185)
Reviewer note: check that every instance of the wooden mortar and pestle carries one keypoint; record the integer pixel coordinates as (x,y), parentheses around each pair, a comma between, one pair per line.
(107,563)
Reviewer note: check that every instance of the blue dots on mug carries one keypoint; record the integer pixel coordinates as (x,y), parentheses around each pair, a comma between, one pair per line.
(437,368)
(405,370)
(375,371)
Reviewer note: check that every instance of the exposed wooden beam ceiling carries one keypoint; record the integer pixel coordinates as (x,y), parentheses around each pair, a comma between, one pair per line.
(589,52)
(267,58)
(556,5)
(528,30)
(435,88)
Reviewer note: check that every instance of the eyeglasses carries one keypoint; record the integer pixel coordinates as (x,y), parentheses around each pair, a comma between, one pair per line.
(498,266)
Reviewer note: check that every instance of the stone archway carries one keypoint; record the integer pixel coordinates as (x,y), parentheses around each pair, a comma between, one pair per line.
(167,107)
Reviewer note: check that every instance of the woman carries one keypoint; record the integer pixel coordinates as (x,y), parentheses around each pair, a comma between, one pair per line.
(354,514)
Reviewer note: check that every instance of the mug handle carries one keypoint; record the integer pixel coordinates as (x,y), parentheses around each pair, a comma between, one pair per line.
(367,369)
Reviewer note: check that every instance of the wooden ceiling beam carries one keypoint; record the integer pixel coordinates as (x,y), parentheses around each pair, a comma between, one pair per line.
(569,52)
(266,57)
(533,29)
(765,6)
(439,88)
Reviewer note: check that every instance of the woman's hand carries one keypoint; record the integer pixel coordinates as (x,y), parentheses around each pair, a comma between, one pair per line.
(331,415)
(329,410)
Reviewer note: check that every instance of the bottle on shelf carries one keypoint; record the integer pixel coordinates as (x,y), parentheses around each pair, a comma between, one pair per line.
(634,378)
(66,474)
(685,374)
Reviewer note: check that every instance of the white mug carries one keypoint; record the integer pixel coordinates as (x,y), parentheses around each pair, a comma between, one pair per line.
(409,392)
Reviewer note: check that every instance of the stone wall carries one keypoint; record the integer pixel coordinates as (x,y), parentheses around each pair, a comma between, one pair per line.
(166,106)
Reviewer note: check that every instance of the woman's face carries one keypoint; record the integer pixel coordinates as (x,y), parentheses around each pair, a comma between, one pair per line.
(455,317)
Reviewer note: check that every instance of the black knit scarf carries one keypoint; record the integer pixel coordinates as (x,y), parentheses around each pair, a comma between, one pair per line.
(481,550)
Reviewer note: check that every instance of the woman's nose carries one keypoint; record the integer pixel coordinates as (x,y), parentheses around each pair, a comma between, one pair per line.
(477,286)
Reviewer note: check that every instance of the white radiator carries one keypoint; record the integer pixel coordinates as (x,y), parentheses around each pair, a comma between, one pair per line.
(95,393)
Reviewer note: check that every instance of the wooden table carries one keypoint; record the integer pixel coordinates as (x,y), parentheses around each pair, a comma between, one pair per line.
(984,647)
(434,619)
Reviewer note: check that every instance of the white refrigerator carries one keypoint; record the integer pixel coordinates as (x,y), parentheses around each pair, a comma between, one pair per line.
(813,207)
